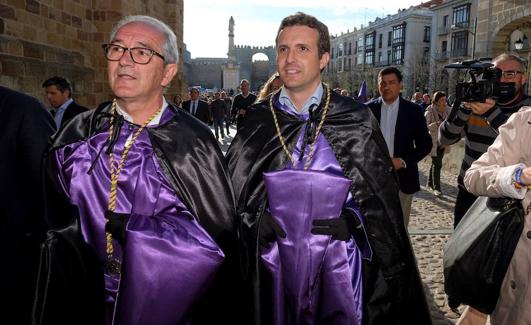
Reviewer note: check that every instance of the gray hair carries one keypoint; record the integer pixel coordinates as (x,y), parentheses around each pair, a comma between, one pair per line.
(169,48)
(510,57)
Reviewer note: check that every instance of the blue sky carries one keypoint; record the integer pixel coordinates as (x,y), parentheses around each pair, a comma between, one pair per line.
(256,21)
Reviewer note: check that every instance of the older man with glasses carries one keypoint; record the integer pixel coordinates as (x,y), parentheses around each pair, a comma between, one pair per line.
(144,244)
(479,122)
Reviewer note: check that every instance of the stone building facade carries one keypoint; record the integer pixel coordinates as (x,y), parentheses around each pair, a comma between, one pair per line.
(43,38)
(401,40)
(473,29)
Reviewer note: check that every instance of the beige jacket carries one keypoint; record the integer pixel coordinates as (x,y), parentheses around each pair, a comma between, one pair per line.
(434,121)
(488,176)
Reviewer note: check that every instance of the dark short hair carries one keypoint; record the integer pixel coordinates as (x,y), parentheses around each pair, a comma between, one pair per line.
(390,70)
(302,19)
(62,84)
(438,95)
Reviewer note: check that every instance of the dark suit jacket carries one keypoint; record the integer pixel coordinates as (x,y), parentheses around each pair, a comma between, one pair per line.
(202,112)
(412,140)
(26,127)
(72,110)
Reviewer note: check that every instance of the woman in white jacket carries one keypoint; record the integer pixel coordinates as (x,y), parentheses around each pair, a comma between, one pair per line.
(505,171)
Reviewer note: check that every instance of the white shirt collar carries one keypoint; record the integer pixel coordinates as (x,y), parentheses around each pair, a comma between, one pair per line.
(154,121)
(65,104)
(392,105)
(315,98)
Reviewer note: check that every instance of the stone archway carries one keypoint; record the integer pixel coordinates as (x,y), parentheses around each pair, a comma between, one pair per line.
(244,56)
(516,20)
(259,70)
(521,19)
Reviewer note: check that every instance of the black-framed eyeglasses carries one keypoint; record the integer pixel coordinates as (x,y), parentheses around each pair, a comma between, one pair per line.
(511,73)
(140,55)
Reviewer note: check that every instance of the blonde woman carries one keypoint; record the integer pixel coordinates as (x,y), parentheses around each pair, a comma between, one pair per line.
(270,86)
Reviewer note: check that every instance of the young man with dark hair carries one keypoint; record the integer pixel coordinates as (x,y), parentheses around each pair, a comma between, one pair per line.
(405,131)
(59,95)
(318,201)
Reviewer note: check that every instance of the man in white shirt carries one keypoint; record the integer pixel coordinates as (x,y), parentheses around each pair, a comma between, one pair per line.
(404,128)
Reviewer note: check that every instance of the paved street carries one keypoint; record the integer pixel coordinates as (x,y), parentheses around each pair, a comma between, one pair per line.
(430,227)
(431,224)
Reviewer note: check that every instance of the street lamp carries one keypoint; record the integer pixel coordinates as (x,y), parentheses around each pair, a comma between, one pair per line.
(522,46)
(519,44)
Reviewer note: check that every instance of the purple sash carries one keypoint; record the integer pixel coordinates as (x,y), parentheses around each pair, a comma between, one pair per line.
(167,267)
(316,280)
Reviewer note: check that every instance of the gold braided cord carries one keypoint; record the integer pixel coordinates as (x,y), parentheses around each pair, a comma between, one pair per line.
(318,130)
(116,173)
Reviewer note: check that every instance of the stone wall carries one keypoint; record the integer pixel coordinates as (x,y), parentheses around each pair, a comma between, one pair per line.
(205,75)
(496,20)
(39,39)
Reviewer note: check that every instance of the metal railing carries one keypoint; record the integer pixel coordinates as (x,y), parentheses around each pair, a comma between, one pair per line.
(461,25)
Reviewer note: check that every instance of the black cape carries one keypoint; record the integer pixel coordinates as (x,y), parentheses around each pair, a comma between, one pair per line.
(70,285)
(392,289)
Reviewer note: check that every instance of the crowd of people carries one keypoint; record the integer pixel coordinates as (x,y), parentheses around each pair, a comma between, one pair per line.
(129,213)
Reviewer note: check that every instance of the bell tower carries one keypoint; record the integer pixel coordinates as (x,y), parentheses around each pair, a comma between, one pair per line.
(231,69)
(230,54)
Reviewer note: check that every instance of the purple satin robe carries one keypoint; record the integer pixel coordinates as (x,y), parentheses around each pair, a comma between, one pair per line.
(168,259)
(315,279)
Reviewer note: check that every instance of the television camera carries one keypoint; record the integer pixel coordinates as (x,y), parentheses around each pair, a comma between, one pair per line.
(484,82)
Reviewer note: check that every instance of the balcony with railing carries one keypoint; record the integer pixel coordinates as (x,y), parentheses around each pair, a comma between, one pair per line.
(464,25)
(399,41)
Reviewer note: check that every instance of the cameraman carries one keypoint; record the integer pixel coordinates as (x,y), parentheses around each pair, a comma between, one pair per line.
(478,123)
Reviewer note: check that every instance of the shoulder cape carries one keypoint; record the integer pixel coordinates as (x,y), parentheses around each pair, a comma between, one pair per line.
(393,292)
(71,278)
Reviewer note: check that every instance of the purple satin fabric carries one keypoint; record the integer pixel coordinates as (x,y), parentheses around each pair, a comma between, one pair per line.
(168,260)
(316,280)
(308,270)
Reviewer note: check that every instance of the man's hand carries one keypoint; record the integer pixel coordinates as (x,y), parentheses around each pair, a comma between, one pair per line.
(526,176)
(116,224)
(340,228)
(480,108)
(397,163)
(269,230)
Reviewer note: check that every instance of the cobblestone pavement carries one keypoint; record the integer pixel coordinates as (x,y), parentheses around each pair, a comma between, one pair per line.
(430,226)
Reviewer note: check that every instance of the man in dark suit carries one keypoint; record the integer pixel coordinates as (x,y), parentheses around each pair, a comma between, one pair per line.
(26,127)
(59,94)
(218,109)
(405,131)
(197,107)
